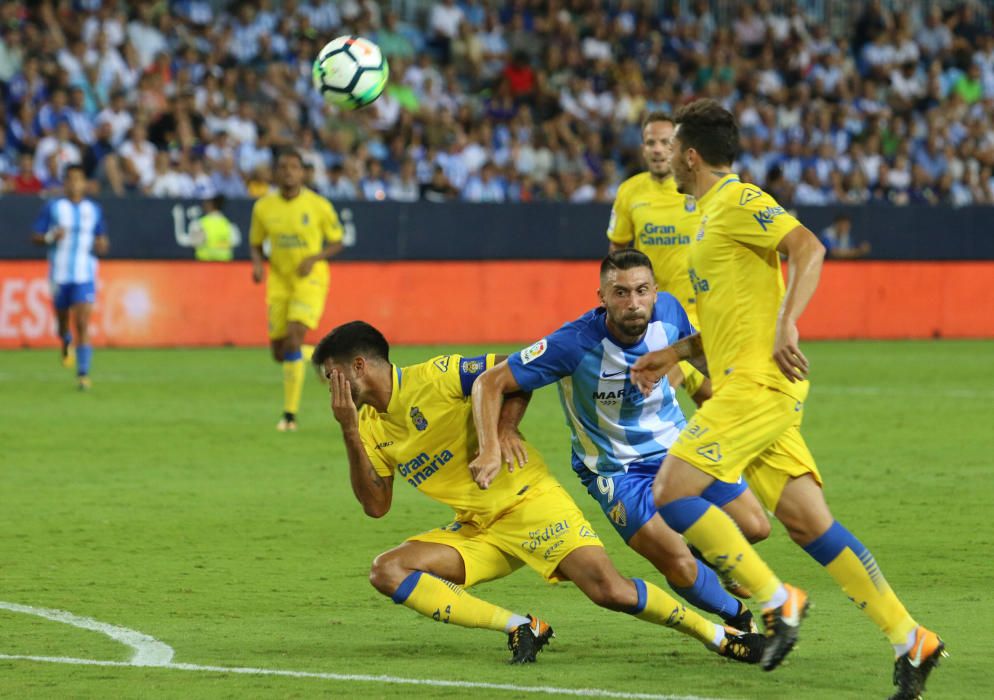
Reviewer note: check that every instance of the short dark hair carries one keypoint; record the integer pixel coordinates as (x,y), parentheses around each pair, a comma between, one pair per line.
(625,259)
(350,340)
(75,166)
(653,117)
(292,152)
(709,129)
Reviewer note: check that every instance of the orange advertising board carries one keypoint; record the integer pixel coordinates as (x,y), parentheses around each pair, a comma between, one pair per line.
(164,304)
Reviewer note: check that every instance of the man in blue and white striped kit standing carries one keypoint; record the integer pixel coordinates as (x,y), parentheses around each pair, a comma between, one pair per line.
(73,229)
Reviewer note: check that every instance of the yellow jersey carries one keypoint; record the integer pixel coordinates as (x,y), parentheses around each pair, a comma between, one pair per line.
(659,221)
(735,270)
(295,228)
(427,438)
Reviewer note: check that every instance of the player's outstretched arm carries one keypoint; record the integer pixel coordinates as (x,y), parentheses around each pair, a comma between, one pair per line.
(651,367)
(512,446)
(373,491)
(488,400)
(805,254)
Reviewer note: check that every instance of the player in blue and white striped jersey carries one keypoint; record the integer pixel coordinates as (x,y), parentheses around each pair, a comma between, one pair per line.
(73,229)
(620,437)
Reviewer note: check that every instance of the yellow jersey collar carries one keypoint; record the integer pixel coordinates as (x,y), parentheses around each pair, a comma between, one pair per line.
(395,409)
(717,187)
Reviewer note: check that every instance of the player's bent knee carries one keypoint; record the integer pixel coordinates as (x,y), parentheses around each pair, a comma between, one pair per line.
(756,529)
(386,574)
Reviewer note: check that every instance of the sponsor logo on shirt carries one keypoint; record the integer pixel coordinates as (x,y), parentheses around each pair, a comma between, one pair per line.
(699,284)
(422,467)
(534,351)
(766,217)
(661,234)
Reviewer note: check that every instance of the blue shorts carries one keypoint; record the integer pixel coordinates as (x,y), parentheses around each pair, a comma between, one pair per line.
(626,497)
(68,295)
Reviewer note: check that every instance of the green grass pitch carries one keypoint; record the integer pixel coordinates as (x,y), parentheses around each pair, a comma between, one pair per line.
(164,501)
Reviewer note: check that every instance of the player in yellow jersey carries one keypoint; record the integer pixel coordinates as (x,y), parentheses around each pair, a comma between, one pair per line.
(303,233)
(651,216)
(751,424)
(416,424)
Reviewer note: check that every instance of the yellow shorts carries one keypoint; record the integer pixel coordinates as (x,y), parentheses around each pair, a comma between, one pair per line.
(540,532)
(299,299)
(751,429)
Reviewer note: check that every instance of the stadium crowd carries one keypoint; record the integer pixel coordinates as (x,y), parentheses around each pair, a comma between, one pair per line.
(516,100)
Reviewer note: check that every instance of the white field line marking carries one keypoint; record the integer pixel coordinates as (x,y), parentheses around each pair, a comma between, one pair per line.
(150,652)
(436,683)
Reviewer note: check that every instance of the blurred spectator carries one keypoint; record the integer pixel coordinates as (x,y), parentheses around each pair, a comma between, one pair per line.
(138,157)
(339,186)
(438,188)
(404,186)
(226,180)
(837,240)
(259,181)
(24,180)
(59,146)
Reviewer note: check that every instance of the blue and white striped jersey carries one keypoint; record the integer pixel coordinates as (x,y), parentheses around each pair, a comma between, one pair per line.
(612,424)
(71,259)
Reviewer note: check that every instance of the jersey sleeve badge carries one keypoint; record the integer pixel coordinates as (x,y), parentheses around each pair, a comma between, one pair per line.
(534,351)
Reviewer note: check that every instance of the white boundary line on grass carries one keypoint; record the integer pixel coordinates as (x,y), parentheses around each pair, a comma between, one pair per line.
(150,652)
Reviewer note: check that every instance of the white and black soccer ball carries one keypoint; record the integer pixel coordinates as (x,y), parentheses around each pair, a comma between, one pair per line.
(350,72)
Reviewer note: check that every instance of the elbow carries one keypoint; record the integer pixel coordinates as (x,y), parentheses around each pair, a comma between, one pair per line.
(375,511)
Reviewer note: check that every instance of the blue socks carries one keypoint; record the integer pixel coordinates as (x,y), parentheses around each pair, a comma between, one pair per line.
(84,353)
(708,594)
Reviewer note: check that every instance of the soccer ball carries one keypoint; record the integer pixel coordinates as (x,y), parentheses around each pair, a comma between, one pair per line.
(350,72)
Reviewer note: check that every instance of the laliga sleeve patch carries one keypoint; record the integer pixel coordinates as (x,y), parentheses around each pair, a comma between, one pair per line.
(534,351)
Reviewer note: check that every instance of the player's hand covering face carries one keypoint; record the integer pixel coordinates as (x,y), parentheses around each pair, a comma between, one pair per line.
(343,399)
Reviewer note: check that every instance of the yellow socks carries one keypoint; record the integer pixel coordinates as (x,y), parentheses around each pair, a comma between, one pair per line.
(718,538)
(854,568)
(293,381)
(660,608)
(444,601)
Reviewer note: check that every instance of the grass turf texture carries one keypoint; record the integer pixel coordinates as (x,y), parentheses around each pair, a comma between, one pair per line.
(165,501)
